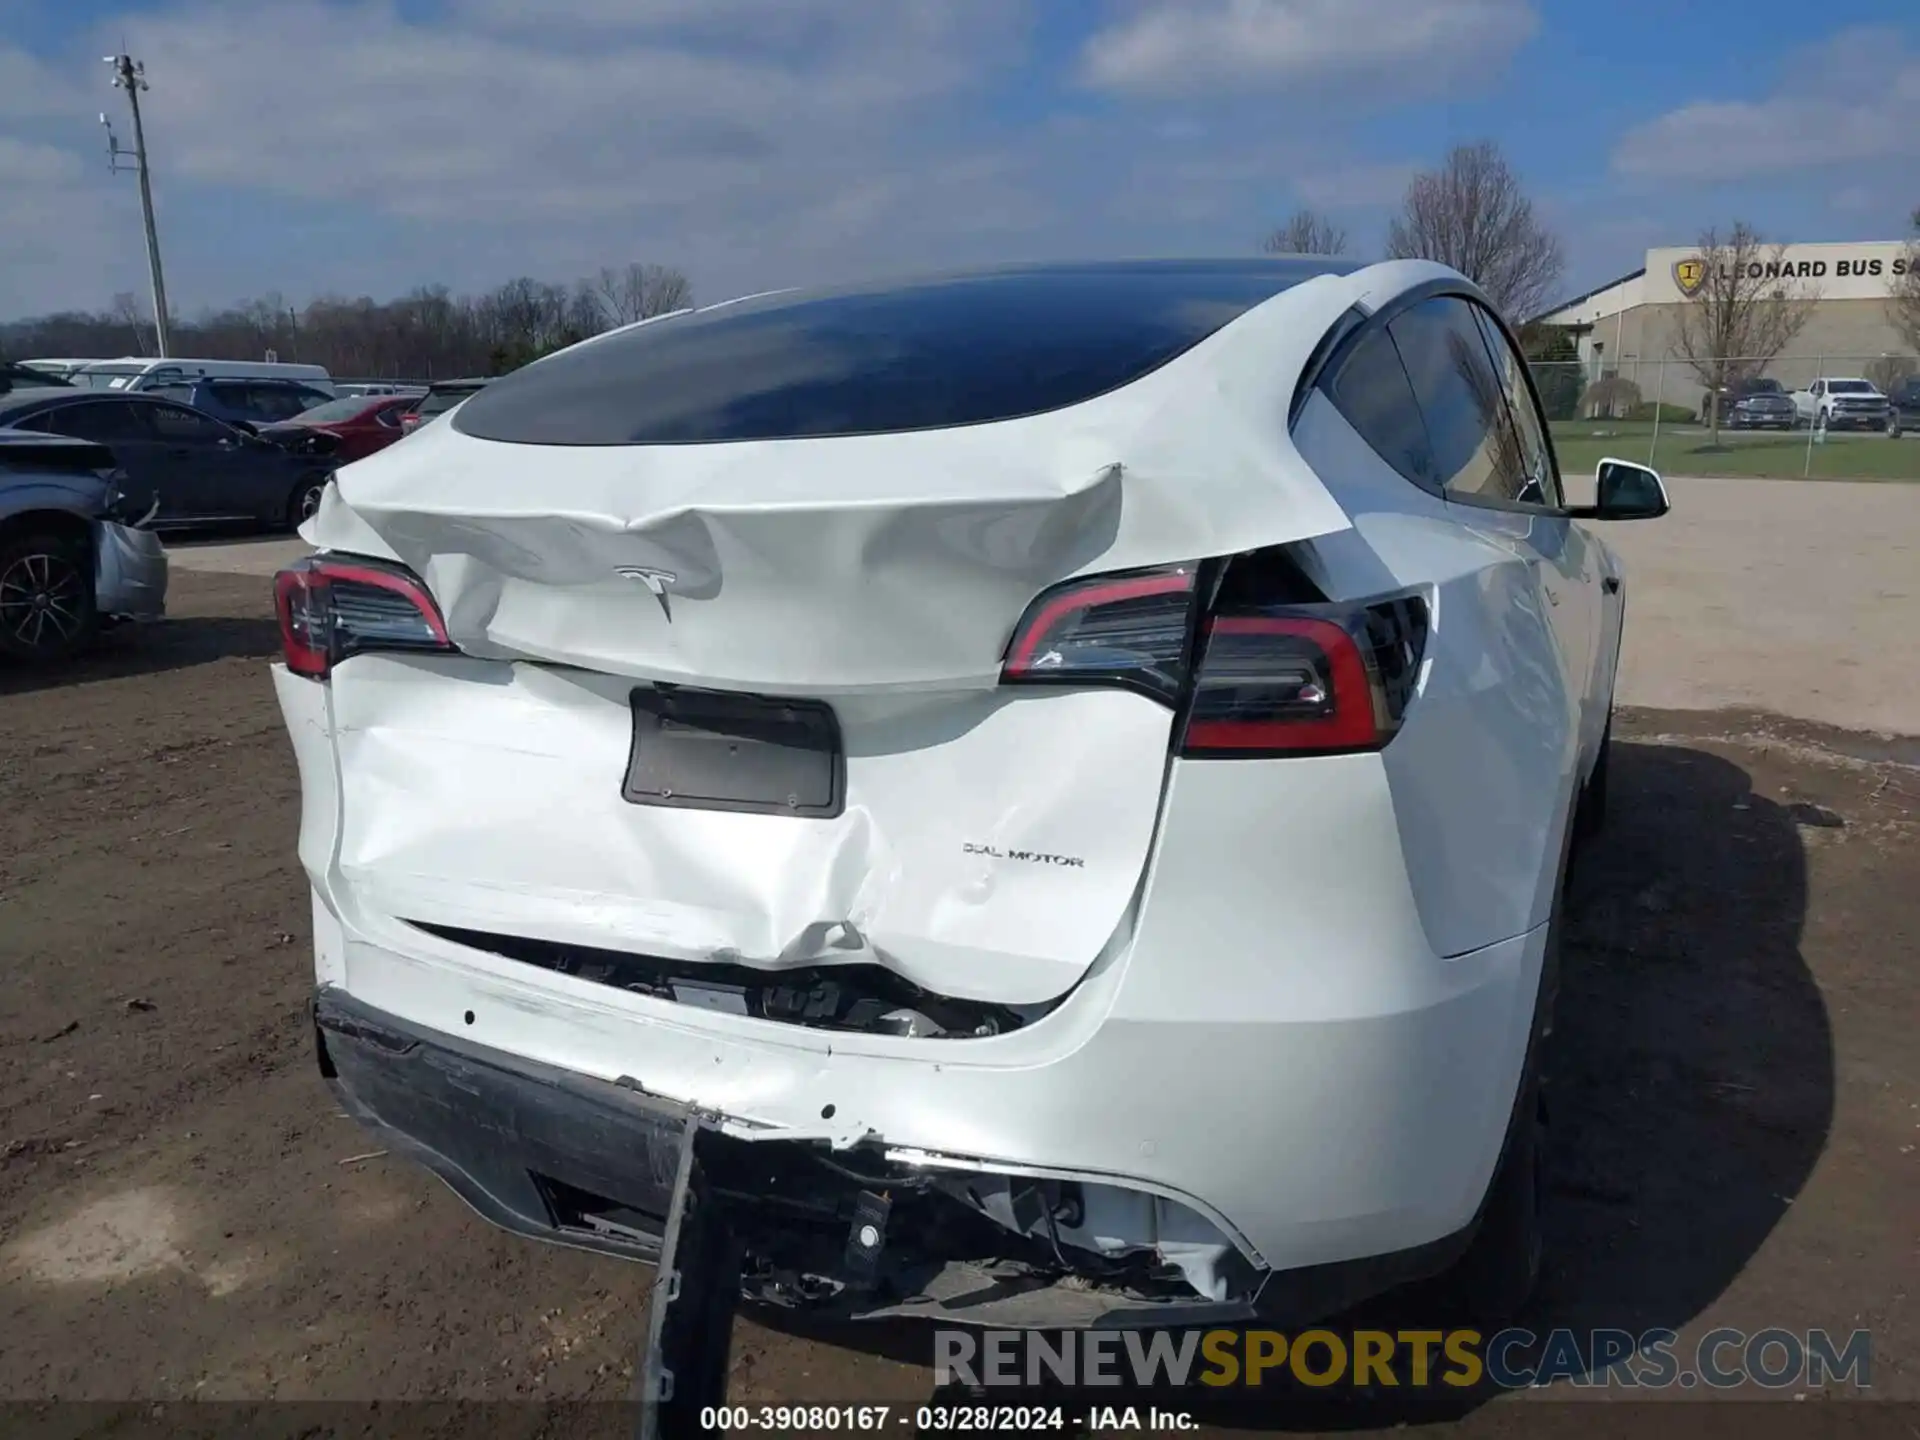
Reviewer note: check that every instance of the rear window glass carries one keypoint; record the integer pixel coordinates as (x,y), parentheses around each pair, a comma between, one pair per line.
(107,378)
(438,402)
(956,351)
(332,412)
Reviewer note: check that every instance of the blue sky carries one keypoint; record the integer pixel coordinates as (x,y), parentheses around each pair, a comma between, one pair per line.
(368,146)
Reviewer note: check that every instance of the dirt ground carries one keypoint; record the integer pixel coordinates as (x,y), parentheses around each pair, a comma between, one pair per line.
(184,1214)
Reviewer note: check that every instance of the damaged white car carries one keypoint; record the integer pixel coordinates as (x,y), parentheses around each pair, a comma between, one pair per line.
(1042,794)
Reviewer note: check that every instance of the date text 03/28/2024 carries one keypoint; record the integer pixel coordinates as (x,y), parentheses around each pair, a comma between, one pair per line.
(964,1418)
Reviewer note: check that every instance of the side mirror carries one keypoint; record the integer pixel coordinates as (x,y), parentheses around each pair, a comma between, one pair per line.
(1625,491)
(246,427)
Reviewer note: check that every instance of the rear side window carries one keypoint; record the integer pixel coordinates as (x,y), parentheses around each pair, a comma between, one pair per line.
(182,393)
(960,350)
(270,403)
(1476,452)
(1374,393)
(1540,485)
(438,402)
(103,420)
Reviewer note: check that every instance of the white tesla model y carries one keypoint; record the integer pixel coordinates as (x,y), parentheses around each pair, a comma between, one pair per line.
(1052,785)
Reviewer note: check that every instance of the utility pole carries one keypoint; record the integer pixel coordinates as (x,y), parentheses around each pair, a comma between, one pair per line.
(131,76)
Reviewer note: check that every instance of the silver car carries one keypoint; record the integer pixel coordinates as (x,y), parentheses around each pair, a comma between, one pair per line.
(73,556)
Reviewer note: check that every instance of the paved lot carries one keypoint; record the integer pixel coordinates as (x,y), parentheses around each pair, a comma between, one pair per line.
(183,1214)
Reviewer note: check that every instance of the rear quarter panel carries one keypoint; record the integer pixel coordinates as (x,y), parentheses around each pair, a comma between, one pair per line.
(1483,770)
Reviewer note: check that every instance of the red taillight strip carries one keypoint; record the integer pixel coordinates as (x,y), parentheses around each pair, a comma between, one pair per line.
(1352,724)
(312,581)
(1032,631)
(302,658)
(403,585)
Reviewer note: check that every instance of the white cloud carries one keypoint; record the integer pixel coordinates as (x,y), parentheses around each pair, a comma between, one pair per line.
(351,145)
(32,90)
(61,235)
(1357,187)
(1851,100)
(553,139)
(1409,48)
(22,162)
(459,122)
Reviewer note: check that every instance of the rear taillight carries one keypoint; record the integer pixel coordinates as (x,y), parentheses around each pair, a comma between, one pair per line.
(1319,679)
(1128,630)
(332,608)
(1271,680)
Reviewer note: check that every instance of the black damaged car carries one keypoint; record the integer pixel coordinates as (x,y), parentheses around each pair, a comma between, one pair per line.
(199,470)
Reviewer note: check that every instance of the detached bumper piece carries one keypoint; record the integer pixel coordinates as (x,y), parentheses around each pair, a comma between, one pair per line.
(483,1127)
(696,1289)
(841,1234)
(130,572)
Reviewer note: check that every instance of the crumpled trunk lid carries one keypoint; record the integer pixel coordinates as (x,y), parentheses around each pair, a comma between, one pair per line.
(990,841)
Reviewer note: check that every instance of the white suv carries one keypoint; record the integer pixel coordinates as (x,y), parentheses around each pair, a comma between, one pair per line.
(1051,786)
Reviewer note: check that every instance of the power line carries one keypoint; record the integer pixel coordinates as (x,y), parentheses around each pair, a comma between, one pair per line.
(131,76)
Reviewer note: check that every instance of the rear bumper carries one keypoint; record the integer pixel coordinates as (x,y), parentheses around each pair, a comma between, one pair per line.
(1337,1156)
(130,572)
(493,1125)
(549,1154)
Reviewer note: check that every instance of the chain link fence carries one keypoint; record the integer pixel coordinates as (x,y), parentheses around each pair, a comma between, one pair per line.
(1831,417)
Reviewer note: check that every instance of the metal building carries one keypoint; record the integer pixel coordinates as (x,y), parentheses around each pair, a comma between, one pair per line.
(1629,325)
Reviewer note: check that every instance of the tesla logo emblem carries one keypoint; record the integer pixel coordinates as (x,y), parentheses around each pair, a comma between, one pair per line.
(658,581)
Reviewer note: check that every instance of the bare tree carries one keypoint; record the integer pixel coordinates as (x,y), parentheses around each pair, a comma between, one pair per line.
(1472,214)
(1307,233)
(640,292)
(1890,372)
(1904,309)
(126,311)
(1745,309)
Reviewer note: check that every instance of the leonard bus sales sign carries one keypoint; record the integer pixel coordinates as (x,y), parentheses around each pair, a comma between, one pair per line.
(1828,272)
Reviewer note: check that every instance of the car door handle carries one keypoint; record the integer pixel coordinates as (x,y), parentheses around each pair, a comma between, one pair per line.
(1611,584)
(181,452)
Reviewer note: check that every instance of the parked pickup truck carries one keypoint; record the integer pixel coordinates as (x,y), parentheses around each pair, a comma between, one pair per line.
(1903,407)
(1841,403)
(1751,404)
